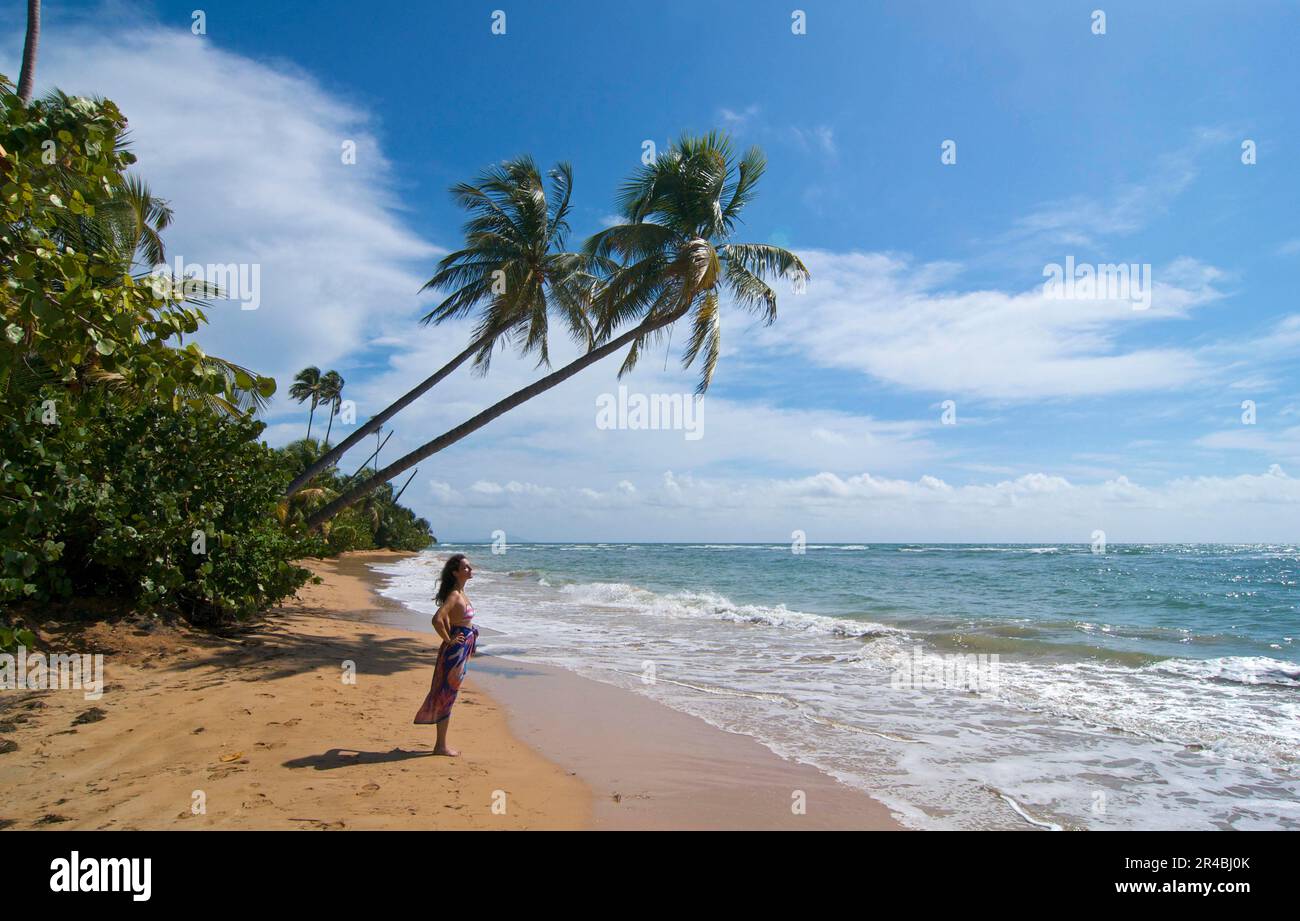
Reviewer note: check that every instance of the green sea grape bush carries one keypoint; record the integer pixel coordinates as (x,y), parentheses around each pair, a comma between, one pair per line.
(153,508)
(71,311)
(120,441)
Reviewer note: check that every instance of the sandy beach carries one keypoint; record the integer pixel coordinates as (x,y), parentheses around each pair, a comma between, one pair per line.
(265,728)
(262,732)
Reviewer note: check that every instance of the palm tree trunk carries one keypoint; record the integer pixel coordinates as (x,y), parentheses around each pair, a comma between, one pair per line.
(311,415)
(406,484)
(330,426)
(329,457)
(27,79)
(500,408)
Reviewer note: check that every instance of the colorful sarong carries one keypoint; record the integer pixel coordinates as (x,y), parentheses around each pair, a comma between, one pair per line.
(453,660)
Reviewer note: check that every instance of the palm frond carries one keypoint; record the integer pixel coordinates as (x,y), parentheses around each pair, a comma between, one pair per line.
(706,335)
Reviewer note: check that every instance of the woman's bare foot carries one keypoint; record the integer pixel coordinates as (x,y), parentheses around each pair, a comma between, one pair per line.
(449,752)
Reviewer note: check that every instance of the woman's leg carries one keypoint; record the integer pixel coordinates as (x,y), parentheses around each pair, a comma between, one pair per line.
(440,747)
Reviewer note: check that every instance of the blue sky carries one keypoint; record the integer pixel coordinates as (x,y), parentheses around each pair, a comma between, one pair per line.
(1072,416)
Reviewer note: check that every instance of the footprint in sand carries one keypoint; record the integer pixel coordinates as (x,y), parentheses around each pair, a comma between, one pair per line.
(321,825)
(368,790)
(227,769)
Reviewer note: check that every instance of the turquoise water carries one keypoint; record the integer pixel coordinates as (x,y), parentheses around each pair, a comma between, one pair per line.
(1138,602)
(1150,686)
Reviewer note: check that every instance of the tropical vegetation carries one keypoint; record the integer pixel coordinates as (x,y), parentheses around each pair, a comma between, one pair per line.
(132,476)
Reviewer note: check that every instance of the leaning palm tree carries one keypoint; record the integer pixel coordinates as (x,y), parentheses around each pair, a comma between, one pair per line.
(675,255)
(331,393)
(307,386)
(513,270)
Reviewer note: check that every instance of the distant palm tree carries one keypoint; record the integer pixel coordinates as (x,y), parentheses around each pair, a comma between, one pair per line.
(331,392)
(513,269)
(307,386)
(680,212)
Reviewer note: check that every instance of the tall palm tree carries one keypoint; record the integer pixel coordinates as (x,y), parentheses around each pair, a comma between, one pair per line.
(513,270)
(676,254)
(27,77)
(307,386)
(331,388)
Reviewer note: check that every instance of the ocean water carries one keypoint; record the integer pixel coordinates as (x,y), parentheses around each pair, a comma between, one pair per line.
(1149,687)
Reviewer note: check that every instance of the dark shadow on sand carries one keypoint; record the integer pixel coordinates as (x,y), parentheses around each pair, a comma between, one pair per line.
(351,757)
(266,653)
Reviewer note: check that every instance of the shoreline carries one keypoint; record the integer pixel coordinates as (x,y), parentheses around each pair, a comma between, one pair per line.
(260,731)
(652,767)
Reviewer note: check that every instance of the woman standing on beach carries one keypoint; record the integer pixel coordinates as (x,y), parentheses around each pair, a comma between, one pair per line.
(459,637)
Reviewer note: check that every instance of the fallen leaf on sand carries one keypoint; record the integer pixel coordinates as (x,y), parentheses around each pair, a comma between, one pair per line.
(226,759)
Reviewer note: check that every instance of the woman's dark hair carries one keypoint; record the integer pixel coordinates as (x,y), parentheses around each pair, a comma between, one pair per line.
(447,581)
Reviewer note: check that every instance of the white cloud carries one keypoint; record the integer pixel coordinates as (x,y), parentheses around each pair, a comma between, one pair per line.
(885,316)
(250,157)
(1282,445)
(866,507)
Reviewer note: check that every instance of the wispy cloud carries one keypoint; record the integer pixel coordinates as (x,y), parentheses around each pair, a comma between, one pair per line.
(1085,221)
(250,157)
(738,119)
(830,507)
(902,323)
(820,138)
